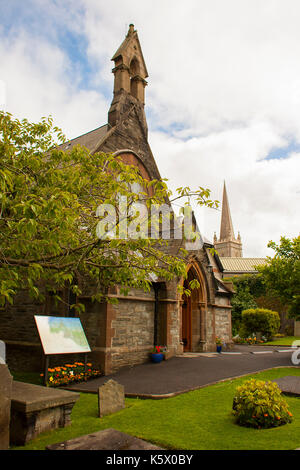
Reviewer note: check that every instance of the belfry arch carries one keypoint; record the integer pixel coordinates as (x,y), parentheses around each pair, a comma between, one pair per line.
(193,311)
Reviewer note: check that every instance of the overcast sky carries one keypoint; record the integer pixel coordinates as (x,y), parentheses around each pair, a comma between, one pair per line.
(222,101)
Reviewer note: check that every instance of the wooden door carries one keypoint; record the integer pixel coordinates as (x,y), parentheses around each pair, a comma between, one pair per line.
(186,324)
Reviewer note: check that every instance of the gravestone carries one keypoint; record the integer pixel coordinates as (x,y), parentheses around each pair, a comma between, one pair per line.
(108,439)
(111,398)
(36,409)
(5,401)
(289,385)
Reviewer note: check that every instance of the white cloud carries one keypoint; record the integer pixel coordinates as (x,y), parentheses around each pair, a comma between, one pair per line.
(263,195)
(2,94)
(39,81)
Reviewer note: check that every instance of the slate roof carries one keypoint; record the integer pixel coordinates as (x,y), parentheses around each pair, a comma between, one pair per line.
(90,140)
(241,265)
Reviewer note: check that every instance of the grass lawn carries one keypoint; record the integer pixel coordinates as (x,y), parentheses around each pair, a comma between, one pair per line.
(284,341)
(197,420)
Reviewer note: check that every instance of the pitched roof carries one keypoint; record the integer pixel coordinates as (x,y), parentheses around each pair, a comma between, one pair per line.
(242,265)
(90,140)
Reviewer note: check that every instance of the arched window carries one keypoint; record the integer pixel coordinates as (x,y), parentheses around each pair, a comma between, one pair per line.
(134,70)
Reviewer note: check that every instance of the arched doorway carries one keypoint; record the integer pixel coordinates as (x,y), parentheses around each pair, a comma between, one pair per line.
(193,312)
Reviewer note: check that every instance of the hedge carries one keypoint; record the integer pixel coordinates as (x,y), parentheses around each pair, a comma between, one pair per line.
(261,320)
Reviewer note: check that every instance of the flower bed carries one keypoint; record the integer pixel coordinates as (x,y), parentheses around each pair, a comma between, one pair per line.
(252,339)
(70,373)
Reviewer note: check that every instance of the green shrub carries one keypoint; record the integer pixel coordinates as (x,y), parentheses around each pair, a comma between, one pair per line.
(260,404)
(260,320)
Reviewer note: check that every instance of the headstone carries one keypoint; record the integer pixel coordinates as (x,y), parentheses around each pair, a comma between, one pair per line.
(108,439)
(5,401)
(289,385)
(111,398)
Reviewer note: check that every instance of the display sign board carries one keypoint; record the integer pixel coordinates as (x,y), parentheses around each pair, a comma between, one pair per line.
(61,335)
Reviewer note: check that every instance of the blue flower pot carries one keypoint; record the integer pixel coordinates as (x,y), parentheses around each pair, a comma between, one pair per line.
(219,348)
(157,357)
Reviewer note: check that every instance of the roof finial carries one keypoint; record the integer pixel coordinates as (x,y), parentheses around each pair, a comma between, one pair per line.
(131,29)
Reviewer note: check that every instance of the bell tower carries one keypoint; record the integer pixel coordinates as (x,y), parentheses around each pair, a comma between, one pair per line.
(130,75)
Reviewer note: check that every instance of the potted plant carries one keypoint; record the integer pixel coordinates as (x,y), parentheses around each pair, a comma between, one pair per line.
(156,354)
(219,343)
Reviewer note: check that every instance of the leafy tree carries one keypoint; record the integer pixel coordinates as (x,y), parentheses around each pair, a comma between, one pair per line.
(282,273)
(49,216)
(241,301)
(247,288)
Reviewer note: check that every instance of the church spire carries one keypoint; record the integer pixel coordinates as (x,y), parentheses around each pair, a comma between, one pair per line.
(226,231)
(227,245)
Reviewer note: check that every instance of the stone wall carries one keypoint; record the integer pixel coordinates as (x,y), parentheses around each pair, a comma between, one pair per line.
(223,324)
(18,330)
(132,329)
(130,134)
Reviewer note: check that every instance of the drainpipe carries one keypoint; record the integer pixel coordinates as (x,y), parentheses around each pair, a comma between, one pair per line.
(156,291)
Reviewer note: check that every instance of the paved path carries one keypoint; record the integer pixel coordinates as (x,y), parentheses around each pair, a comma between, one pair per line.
(182,373)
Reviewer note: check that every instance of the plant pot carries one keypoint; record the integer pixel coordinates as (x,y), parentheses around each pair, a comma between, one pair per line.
(219,348)
(157,357)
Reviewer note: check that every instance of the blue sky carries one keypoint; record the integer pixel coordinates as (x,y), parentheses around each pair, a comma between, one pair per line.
(284,152)
(222,101)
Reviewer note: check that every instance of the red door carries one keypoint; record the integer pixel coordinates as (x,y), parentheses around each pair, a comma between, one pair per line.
(186,324)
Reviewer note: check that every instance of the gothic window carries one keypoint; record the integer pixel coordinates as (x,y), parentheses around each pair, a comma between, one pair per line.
(134,70)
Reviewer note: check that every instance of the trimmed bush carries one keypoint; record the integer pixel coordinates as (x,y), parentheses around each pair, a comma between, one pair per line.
(260,404)
(260,320)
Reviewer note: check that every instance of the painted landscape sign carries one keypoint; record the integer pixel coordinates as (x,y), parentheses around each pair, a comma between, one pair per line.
(61,335)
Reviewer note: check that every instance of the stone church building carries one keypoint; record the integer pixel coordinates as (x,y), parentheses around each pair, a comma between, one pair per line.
(122,334)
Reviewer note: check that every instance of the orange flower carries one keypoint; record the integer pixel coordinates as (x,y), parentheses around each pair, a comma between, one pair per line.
(266,414)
